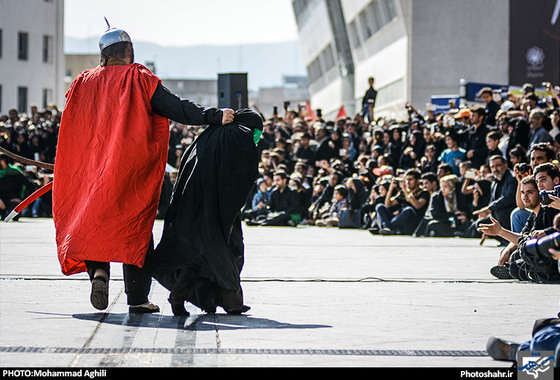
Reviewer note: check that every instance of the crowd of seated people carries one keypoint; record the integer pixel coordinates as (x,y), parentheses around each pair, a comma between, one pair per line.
(463,172)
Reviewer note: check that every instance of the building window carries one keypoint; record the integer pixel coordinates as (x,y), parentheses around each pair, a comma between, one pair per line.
(314,70)
(23,46)
(390,93)
(47,49)
(47,97)
(327,58)
(22,99)
(354,36)
(1,39)
(378,16)
(389,6)
(373,17)
(365,24)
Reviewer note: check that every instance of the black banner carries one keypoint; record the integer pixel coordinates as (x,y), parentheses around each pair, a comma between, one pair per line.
(534,55)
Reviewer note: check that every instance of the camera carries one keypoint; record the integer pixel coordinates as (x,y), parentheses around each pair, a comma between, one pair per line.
(523,168)
(539,247)
(545,199)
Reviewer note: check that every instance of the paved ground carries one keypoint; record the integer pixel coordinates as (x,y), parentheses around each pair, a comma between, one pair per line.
(318,297)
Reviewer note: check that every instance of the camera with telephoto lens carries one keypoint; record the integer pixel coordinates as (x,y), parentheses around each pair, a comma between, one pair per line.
(540,247)
(545,199)
(523,168)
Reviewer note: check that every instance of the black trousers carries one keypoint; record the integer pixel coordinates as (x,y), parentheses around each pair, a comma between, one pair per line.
(137,281)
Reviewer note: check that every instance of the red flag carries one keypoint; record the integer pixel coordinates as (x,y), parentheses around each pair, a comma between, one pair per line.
(309,111)
(341,113)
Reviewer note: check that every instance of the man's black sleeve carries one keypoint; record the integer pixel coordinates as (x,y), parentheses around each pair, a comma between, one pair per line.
(183,111)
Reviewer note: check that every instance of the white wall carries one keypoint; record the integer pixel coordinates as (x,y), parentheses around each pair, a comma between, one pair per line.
(454,39)
(37,18)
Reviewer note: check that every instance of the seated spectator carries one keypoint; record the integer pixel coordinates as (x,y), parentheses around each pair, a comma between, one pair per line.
(447,213)
(376,197)
(429,162)
(502,198)
(283,207)
(413,151)
(444,169)
(517,155)
(339,204)
(454,154)
(430,182)
(302,197)
(473,140)
(538,132)
(519,261)
(491,106)
(412,202)
(260,201)
(305,151)
(539,154)
(323,201)
(357,195)
(492,142)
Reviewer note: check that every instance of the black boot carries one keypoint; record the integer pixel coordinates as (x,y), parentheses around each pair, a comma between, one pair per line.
(178,307)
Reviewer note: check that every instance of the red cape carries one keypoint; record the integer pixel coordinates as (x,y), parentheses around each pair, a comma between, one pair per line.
(109,167)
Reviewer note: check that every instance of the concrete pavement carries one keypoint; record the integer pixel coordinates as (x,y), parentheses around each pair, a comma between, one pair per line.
(319,298)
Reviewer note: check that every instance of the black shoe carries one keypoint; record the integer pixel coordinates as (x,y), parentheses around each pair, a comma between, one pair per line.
(238,310)
(499,349)
(99,296)
(501,272)
(386,231)
(178,307)
(374,230)
(147,307)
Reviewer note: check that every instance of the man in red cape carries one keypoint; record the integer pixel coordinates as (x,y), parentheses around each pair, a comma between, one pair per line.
(109,168)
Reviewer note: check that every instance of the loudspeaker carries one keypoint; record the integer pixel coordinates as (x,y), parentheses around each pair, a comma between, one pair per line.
(232,91)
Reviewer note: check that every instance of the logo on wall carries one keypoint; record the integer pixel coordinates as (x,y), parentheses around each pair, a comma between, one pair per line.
(535,58)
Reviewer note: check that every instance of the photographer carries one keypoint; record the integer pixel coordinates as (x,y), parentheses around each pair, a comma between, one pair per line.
(520,259)
(412,201)
(539,154)
(502,199)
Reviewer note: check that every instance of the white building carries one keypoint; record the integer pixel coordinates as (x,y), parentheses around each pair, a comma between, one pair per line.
(414,49)
(31,54)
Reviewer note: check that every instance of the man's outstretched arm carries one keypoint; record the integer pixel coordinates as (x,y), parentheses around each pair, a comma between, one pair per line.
(183,111)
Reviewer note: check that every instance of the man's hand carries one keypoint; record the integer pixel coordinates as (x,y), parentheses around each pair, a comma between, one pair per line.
(555,202)
(555,253)
(227,116)
(506,254)
(483,213)
(493,229)
(537,234)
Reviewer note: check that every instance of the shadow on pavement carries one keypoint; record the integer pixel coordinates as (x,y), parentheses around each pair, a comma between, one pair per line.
(199,322)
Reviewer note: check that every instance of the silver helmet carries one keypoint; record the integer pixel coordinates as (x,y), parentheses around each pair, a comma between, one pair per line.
(112,36)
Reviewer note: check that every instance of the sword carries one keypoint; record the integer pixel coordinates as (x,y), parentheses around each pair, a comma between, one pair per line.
(30,199)
(26,161)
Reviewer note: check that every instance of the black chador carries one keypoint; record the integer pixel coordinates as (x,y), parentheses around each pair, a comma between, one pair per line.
(201,254)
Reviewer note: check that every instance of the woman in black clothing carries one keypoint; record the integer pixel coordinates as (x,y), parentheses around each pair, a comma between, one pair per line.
(447,213)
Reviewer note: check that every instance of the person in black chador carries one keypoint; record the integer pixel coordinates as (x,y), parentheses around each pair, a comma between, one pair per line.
(201,253)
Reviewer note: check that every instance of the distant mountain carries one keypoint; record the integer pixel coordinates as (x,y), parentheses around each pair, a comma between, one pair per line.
(265,63)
